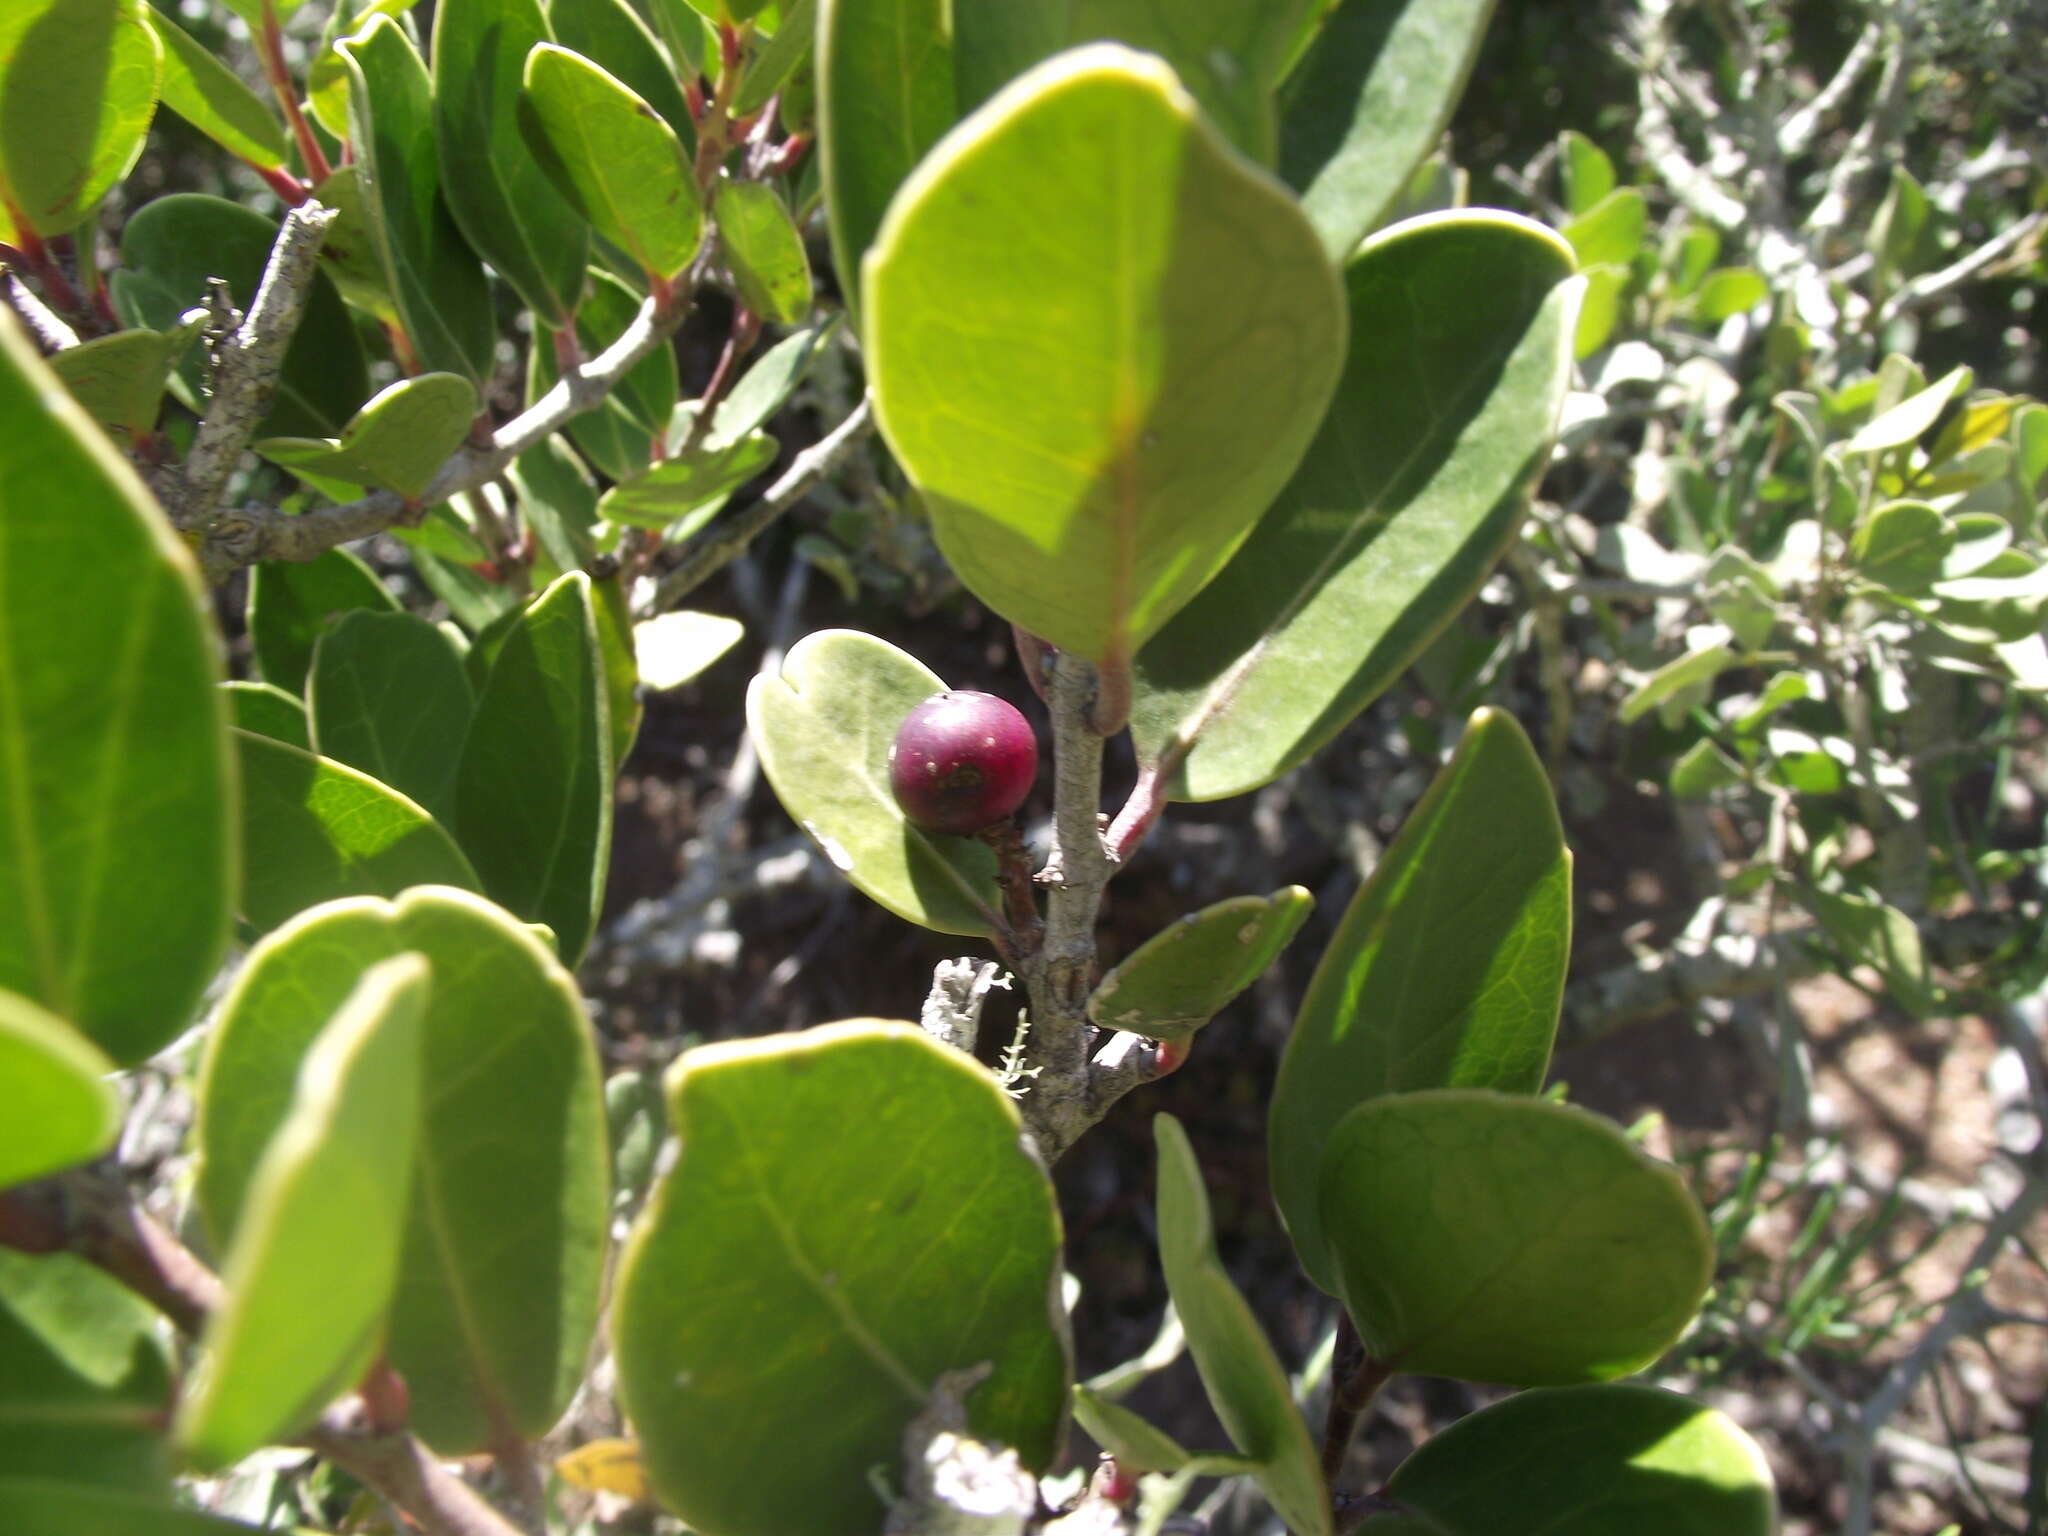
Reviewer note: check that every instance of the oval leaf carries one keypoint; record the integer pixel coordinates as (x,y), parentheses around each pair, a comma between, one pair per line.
(1410,493)
(389,695)
(1903,546)
(310,1275)
(1595,1461)
(78,84)
(117,854)
(401,436)
(292,603)
(443,300)
(667,490)
(852,1214)
(1243,1377)
(1446,972)
(823,728)
(1099,341)
(763,251)
(1508,1239)
(497,1296)
(615,160)
(672,648)
(326,830)
(1177,981)
(120,379)
(268,710)
(212,98)
(534,807)
(63,1109)
(612,36)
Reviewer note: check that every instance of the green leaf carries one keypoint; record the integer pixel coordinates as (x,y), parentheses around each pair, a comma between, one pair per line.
(1243,1378)
(1446,971)
(618,163)
(1882,937)
(618,437)
(885,96)
(268,710)
(1137,1444)
(1729,291)
(1610,233)
(168,251)
(668,489)
(760,393)
(557,501)
(403,434)
(1587,172)
(120,379)
(442,296)
(78,80)
(824,727)
(1902,546)
(292,603)
(1675,679)
(387,694)
(1180,979)
(612,36)
(117,854)
(326,830)
(1895,231)
(502,199)
(83,1377)
(773,64)
(672,648)
(350,254)
(1600,311)
(1509,1239)
(616,653)
(492,1317)
(1369,100)
(48,1506)
(212,98)
(64,1112)
(763,251)
(534,807)
(1595,1461)
(1903,423)
(1702,769)
(309,1277)
(872,1250)
(1099,341)
(1412,489)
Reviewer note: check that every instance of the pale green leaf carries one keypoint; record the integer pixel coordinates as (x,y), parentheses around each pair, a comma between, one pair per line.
(211,97)
(78,87)
(63,1109)
(1181,978)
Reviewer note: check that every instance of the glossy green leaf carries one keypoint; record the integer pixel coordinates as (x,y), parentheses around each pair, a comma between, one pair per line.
(612,36)
(1904,422)
(292,603)
(1368,101)
(1180,979)
(117,853)
(616,161)
(672,648)
(534,807)
(1610,233)
(48,1506)
(120,379)
(63,1110)
(1587,172)
(268,710)
(1446,971)
(1413,488)
(387,694)
(497,1297)
(1595,1461)
(672,487)
(84,1379)
(506,205)
(763,251)
(212,98)
(309,1277)
(1508,1239)
(1903,546)
(1099,341)
(824,727)
(885,96)
(618,437)
(325,830)
(78,86)
(852,1214)
(403,434)
(442,297)
(1243,1377)
(168,251)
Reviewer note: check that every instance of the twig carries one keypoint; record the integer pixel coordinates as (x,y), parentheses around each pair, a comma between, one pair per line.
(1357,1379)
(1797,131)
(720,546)
(50,333)
(1931,284)
(246,367)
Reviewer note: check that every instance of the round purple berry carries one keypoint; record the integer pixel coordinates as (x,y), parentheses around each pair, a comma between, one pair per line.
(961,762)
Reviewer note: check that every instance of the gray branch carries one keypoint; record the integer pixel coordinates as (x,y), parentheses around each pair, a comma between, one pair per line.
(50,333)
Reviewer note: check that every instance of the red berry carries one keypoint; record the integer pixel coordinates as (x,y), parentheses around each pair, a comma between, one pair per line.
(961,762)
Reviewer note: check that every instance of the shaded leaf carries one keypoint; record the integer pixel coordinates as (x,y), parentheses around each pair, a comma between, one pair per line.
(1882,937)
(268,710)
(762,389)
(1446,971)
(120,379)
(47,1506)
(350,254)
(870,1187)
(1676,679)
(782,56)
(78,86)
(292,603)
(1181,978)
(387,694)
(63,1110)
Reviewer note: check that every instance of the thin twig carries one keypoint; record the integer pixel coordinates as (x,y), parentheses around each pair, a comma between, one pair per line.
(50,332)
(1929,285)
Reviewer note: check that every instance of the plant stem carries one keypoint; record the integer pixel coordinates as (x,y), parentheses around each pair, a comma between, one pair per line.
(270,47)
(1356,1379)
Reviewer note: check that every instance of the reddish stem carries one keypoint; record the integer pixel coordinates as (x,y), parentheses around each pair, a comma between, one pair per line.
(282,182)
(788,153)
(270,46)
(1137,816)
